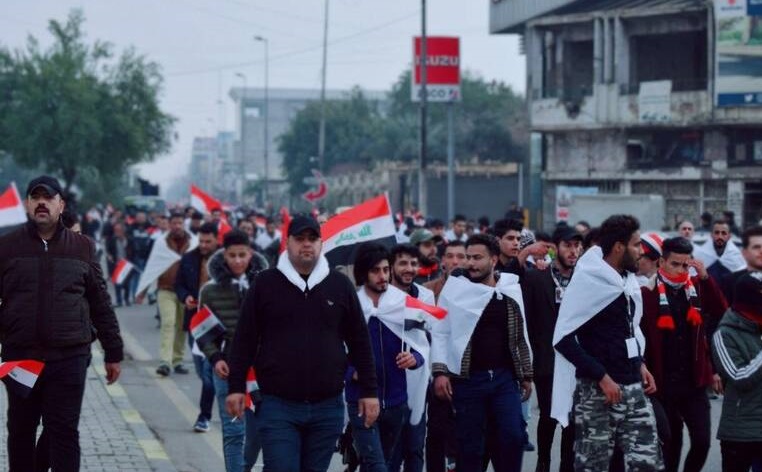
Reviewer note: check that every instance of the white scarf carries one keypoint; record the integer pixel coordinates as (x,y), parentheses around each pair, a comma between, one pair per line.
(731,258)
(392,312)
(594,285)
(160,259)
(465,302)
(317,275)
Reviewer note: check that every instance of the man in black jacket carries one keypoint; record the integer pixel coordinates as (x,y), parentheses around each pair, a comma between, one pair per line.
(300,325)
(54,304)
(543,291)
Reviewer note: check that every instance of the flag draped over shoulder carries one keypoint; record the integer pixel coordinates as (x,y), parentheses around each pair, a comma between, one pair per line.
(12,210)
(731,258)
(403,320)
(593,287)
(161,259)
(20,376)
(371,220)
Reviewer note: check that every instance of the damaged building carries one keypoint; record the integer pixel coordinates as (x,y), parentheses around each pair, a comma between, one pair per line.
(643,97)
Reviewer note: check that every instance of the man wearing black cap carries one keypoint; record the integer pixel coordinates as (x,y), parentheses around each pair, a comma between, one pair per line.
(543,291)
(54,301)
(294,326)
(737,352)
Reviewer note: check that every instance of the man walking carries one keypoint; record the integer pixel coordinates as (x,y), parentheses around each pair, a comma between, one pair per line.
(675,315)
(54,301)
(720,255)
(751,240)
(191,276)
(426,242)
(598,341)
(737,353)
(543,292)
(481,359)
(300,325)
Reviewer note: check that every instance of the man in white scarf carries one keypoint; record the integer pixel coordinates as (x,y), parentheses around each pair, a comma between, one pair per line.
(598,341)
(481,358)
(720,255)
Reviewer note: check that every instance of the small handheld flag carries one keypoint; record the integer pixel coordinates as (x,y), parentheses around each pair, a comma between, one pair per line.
(205,327)
(121,271)
(253,395)
(20,376)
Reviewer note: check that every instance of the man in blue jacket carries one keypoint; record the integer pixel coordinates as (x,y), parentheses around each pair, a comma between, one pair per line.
(191,276)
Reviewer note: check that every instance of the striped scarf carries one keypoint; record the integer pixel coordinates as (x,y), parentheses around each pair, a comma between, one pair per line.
(665,320)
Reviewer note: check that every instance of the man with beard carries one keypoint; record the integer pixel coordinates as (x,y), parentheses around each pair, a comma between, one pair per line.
(426,242)
(720,256)
(404,268)
(751,240)
(598,341)
(543,291)
(378,444)
(454,258)
(675,315)
(482,364)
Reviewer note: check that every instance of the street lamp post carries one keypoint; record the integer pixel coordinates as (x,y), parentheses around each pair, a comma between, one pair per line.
(266,114)
(243,125)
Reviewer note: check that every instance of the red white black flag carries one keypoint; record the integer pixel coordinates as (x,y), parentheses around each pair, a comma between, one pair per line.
(205,327)
(20,376)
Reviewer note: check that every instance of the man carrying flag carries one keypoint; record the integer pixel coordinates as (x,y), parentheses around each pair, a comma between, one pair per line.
(599,369)
(400,350)
(481,358)
(231,274)
(54,299)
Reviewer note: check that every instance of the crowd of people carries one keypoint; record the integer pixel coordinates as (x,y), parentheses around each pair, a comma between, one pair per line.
(425,354)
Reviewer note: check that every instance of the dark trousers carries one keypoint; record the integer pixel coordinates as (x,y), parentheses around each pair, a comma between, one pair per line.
(441,445)
(739,456)
(546,428)
(489,394)
(205,372)
(694,410)
(376,445)
(410,450)
(57,400)
(298,436)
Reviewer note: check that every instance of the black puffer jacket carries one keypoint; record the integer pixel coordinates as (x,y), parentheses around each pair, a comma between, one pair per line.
(54,298)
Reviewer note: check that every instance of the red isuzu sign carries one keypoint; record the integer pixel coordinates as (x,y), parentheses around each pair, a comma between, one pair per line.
(442,69)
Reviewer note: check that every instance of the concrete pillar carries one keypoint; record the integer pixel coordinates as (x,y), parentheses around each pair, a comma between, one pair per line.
(735,199)
(608,50)
(597,51)
(622,53)
(535,52)
(625,187)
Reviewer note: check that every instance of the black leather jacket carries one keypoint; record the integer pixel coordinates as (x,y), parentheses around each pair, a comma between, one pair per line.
(54,301)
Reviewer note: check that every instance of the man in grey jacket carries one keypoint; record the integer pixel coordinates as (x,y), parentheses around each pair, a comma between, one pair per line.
(737,350)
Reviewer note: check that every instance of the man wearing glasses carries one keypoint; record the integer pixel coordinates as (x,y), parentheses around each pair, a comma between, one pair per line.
(676,312)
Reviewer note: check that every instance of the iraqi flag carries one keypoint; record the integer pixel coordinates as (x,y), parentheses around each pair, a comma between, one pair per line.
(371,220)
(223,228)
(20,376)
(285,219)
(12,210)
(416,313)
(122,270)
(253,395)
(202,201)
(205,327)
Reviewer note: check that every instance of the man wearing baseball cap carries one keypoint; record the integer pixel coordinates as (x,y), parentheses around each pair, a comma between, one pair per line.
(294,326)
(54,299)
(426,242)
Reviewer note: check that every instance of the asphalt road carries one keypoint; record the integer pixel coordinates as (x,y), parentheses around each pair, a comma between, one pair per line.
(170,405)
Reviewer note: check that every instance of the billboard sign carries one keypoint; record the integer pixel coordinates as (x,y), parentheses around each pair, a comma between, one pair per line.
(442,69)
(738,46)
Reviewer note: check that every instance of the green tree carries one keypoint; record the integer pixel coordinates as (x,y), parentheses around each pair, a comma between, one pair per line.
(351,137)
(78,111)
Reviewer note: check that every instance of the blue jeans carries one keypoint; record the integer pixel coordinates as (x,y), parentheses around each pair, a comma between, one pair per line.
(139,264)
(495,395)
(205,372)
(410,449)
(232,431)
(377,445)
(298,436)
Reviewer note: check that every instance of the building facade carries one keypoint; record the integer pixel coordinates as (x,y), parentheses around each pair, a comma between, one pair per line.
(627,97)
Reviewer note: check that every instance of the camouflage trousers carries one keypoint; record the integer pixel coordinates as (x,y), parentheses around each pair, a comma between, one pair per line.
(629,425)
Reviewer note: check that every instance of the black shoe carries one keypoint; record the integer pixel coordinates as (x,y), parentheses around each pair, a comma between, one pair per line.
(128,303)
(163,370)
(180,369)
(529,447)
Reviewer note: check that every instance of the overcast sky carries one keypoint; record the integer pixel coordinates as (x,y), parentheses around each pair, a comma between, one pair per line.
(201,44)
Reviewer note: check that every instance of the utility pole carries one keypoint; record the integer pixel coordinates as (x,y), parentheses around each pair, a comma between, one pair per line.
(266,116)
(321,136)
(422,198)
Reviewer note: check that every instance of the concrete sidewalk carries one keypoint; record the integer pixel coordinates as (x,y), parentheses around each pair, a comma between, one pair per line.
(113,435)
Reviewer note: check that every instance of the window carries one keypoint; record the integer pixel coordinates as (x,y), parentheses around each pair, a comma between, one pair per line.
(665,148)
(679,57)
(744,147)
